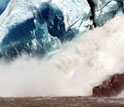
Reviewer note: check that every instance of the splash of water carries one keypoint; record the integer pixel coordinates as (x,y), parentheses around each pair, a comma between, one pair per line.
(74,70)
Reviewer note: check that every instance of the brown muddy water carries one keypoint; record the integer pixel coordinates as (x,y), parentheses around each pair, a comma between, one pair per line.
(62,102)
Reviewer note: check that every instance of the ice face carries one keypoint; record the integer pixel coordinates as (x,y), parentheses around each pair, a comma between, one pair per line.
(40,26)
(24,28)
(105,10)
(76,14)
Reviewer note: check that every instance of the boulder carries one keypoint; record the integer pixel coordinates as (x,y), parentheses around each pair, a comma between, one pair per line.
(110,87)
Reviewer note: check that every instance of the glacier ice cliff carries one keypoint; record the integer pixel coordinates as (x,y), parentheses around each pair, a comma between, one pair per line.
(24,28)
(104,10)
(39,26)
(76,15)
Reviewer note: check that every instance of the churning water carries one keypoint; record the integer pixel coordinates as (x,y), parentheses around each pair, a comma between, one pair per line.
(73,70)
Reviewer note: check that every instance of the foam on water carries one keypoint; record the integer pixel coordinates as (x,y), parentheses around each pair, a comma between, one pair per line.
(74,70)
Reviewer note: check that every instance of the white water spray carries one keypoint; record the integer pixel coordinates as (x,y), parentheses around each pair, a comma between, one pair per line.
(74,70)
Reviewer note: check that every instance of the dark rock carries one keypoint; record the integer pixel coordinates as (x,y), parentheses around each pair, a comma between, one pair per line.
(110,87)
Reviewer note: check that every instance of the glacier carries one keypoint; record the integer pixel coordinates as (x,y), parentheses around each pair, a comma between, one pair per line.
(104,10)
(41,26)
(23,28)
(38,27)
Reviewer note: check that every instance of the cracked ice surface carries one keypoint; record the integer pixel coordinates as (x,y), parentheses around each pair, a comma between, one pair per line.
(76,14)
(106,9)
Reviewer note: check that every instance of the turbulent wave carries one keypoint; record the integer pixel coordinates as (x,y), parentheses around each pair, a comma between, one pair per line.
(73,70)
